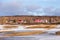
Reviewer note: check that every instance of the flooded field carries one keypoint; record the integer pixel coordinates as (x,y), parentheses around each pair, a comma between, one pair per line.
(29,34)
(33,37)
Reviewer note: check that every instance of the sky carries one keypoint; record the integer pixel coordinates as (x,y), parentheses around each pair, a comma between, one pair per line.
(30,7)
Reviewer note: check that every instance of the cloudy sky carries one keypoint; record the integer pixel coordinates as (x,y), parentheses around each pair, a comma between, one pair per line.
(30,7)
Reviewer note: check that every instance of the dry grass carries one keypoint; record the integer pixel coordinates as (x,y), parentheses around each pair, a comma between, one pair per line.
(42,26)
(58,33)
(6,27)
(25,33)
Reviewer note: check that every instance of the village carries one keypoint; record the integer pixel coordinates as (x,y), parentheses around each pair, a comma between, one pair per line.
(29,20)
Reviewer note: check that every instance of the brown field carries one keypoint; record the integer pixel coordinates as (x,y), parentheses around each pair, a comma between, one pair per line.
(41,26)
(25,33)
(6,27)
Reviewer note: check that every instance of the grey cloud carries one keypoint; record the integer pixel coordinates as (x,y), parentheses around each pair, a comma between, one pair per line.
(57,12)
(32,7)
(11,9)
(52,11)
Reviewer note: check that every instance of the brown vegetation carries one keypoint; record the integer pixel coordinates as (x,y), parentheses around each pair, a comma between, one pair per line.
(41,26)
(25,33)
(6,27)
